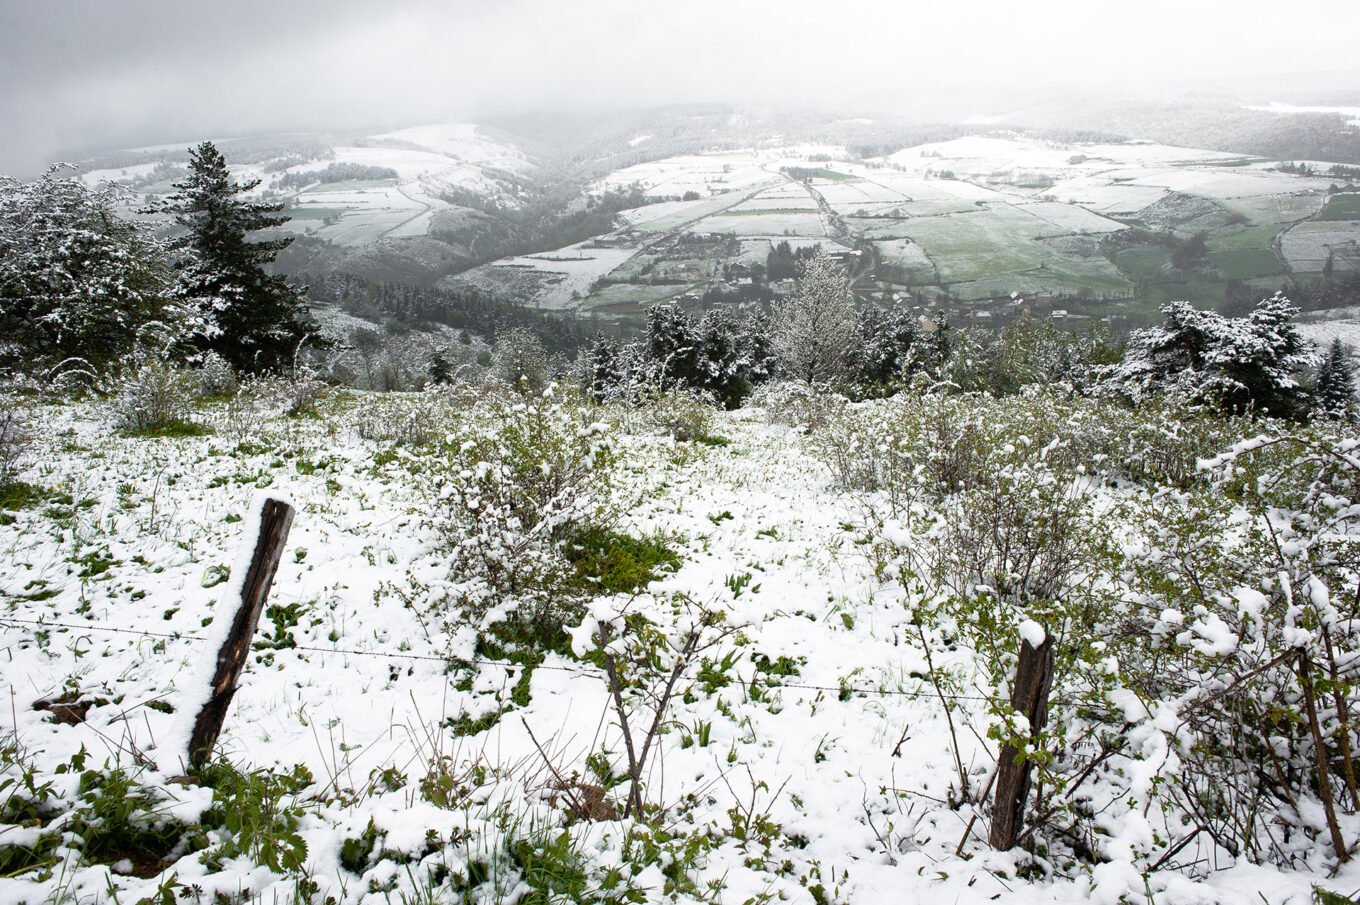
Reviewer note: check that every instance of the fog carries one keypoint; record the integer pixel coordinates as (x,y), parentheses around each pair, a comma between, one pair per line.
(77,75)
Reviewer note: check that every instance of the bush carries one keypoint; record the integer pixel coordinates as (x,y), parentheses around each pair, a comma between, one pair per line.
(151,397)
(510,483)
(14,434)
(215,377)
(683,414)
(797,405)
(413,420)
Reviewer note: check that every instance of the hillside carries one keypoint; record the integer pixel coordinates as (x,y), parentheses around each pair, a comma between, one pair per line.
(406,729)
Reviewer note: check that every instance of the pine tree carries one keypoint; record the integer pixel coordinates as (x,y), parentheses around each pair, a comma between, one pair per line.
(1335,385)
(258,319)
(600,371)
(1248,364)
(671,346)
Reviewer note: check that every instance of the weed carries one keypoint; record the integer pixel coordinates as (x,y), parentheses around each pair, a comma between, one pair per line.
(614,563)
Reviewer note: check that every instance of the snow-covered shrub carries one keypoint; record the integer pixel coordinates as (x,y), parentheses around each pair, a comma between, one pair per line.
(510,481)
(1162,442)
(294,393)
(215,377)
(797,405)
(682,414)
(151,395)
(520,360)
(404,420)
(14,432)
(1246,692)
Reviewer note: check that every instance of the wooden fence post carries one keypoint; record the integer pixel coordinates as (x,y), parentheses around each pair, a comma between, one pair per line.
(276,517)
(1033,678)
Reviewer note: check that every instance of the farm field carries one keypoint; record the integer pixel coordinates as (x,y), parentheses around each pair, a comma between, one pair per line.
(1307,245)
(986,216)
(983,215)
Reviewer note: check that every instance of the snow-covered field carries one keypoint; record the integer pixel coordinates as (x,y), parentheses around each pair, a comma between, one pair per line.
(1338,323)
(1307,245)
(810,756)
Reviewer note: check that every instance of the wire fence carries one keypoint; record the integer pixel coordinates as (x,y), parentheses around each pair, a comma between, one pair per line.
(773,683)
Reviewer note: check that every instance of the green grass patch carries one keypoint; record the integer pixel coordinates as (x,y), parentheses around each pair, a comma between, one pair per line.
(1246,263)
(175,428)
(1341,207)
(614,563)
(19,495)
(820,173)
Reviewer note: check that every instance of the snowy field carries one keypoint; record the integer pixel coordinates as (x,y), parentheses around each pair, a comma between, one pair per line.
(739,222)
(809,756)
(1307,245)
(567,273)
(1338,323)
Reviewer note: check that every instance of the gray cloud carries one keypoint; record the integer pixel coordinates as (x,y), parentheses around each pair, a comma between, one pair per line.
(100,73)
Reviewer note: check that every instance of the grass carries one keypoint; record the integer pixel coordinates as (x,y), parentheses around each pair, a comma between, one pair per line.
(820,173)
(1341,207)
(19,495)
(173,428)
(614,563)
(1246,263)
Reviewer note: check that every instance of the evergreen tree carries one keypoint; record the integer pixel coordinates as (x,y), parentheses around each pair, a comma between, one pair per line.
(440,369)
(671,346)
(720,368)
(600,369)
(1335,386)
(1240,364)
(258,319)
(76,280)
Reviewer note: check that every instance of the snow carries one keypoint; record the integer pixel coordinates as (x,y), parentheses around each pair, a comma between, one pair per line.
(1292,109)
(367,688)
(463,141)
(1032,633)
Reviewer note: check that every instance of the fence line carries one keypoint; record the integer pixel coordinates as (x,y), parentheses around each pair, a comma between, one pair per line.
(175,636)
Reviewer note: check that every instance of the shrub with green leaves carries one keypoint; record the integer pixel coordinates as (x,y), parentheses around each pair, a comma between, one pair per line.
(511,483)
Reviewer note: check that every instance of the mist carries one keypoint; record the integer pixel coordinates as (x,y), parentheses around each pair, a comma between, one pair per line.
(87,74)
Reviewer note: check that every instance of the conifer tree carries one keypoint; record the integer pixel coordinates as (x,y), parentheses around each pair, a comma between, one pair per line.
(1335,389)
(77,280)
(258,319)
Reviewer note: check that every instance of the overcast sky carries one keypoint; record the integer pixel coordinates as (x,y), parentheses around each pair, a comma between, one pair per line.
(80,74)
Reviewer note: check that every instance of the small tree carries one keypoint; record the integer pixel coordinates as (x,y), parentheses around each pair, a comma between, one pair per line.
(520,360)
(815,329)
(1335,389)
(258,320)
(671,346)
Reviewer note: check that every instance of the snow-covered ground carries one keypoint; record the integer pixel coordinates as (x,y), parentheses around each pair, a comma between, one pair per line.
(854,780)
(839,758)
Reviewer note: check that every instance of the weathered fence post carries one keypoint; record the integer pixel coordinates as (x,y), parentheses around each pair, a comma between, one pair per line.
(1033,678)
(276,517)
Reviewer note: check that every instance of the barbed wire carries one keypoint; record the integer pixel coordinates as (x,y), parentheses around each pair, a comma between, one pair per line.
(867,691)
